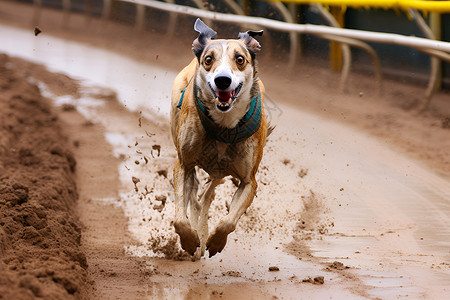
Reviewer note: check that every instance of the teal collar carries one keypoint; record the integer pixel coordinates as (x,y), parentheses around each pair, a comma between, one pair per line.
(246,127)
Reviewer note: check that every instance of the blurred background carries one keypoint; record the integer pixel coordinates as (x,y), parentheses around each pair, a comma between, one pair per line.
(397,62)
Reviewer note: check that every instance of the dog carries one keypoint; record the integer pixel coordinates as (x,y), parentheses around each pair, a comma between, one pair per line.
(217,124)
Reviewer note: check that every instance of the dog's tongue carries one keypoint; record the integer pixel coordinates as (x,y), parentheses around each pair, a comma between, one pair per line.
(224,96)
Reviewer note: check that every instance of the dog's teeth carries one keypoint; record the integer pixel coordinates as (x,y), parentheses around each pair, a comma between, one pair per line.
(222,104)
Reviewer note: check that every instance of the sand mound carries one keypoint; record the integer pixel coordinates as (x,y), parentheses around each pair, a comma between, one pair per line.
(39,234)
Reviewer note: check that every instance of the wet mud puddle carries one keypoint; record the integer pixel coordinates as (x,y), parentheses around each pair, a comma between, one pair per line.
(337,213)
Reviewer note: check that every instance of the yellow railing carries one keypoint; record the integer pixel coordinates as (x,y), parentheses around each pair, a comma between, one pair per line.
(432,6)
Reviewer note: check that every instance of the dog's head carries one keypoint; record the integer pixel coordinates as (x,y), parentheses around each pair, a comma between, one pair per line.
(226,73)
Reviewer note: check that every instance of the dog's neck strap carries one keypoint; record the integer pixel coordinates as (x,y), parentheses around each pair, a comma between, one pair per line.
(246,127)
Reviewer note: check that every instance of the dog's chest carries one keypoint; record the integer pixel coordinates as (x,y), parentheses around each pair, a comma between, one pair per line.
(220,159)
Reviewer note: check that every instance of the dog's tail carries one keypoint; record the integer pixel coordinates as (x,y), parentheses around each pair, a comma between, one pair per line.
(270,129)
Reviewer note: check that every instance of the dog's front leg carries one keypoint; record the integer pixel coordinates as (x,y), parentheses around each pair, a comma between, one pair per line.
(205,202)
(184,184)
(242,199)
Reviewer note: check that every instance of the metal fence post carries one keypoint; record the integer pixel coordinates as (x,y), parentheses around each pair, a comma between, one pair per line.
(37,11)
(140,16)
(106,13)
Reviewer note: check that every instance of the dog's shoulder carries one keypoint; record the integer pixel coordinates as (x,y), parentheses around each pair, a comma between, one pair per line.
(183,78)
(182,81)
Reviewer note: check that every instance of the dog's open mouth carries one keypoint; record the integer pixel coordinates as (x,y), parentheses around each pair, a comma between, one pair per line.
(225,100)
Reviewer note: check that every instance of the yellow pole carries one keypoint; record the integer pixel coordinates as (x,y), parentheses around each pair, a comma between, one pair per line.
(335,48)
(436,27)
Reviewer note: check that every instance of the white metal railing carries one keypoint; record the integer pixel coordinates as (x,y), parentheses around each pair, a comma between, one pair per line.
(351,37)
(368,36)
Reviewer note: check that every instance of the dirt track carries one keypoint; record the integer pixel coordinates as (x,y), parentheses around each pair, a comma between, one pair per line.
(40,234)
(383,254)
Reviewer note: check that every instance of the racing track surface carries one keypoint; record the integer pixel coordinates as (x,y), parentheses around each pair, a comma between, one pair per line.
(327,193)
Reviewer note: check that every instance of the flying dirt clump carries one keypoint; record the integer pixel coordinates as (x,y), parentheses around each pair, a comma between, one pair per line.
(232,274)
(37,30)
(336,265)
(162,199)
(315,280)
(312,223)
(135,182)
(168,246)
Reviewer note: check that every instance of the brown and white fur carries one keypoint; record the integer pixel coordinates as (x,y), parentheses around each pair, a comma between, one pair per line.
(227,102)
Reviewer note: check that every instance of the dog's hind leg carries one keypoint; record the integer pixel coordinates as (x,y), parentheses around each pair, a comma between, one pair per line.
(242,199)
(194,206)
(184,183)
(205,201)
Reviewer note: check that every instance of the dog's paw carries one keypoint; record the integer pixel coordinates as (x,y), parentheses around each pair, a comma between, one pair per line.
(197,255)
(188,237)
(216,242)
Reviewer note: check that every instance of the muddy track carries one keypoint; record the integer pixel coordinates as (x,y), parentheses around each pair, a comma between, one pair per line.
(112,274)
(100,248)
(40,233)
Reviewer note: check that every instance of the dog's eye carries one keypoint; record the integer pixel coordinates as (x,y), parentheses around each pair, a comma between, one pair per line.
(208,60)
(240,60)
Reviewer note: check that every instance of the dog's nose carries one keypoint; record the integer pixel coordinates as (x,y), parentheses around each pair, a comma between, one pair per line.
(222,81)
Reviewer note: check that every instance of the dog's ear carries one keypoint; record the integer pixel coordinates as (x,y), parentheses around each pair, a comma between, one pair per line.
(204,34)
(248,39)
